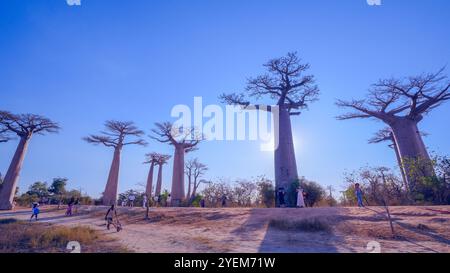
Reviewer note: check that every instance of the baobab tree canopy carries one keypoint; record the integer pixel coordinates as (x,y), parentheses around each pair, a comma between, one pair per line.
(285,82)
(24,126)
(288,83)
(114,136)
(184,140)
(402,104)
(409,98)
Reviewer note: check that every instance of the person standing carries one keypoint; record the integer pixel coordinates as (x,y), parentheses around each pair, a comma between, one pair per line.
(359,195)
(144,201)
(168,200)
(300,200)
(224,201)
(281,195)
(131,198)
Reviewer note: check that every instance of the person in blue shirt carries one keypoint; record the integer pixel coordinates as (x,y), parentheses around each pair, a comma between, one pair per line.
(359,195)
(35,211)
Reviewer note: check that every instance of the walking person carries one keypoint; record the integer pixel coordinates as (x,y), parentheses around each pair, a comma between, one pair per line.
(35,211)
(112,219)
(300,200)
(359,195)
(69,207)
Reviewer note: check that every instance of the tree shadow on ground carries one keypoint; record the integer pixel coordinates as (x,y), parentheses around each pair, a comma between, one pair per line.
(275,240)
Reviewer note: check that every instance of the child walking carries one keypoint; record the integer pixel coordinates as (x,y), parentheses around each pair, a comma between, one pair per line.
(35,211)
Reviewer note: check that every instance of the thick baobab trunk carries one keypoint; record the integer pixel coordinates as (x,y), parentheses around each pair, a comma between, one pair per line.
(159,181)
(285,163)
(12,176)
(148,188)
(177,192)
(415,159)
(110,193)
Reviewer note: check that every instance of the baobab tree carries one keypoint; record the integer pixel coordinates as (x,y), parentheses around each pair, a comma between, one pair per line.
(294,90)
(161,160)
(402,104)
(24,126)
(194,170)
(115,137)
(152,160)
(184,140)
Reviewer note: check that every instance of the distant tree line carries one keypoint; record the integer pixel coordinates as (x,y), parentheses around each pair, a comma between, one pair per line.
(53,194)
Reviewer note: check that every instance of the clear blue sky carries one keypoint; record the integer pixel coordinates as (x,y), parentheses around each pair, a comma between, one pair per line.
(135,60)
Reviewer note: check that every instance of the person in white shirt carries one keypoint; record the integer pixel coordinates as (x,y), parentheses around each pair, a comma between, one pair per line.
(144,202)
(300,200)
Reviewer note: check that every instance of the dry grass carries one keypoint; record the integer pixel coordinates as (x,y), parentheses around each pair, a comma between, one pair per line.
(22,236)
(305,225)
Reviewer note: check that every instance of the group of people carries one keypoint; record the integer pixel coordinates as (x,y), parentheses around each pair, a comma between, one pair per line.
(301,197)
(73,203)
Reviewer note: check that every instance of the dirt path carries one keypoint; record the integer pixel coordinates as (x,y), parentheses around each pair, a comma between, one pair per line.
(418,229)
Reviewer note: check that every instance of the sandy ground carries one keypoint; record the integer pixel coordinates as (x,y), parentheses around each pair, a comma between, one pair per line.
(417,229)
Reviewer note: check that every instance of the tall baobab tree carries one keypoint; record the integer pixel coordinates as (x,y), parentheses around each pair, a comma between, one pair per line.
(402,104)
(293,89)
(24,126)
(161,160)
(194,170)
(114,136)
(184,140)
(152,160)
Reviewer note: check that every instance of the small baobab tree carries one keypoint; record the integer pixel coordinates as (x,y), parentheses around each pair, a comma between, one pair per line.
(114,136)
(294,90)
(184,140)
(24,126)
(194,170)
(161,161)
(151,159)
(402,104)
